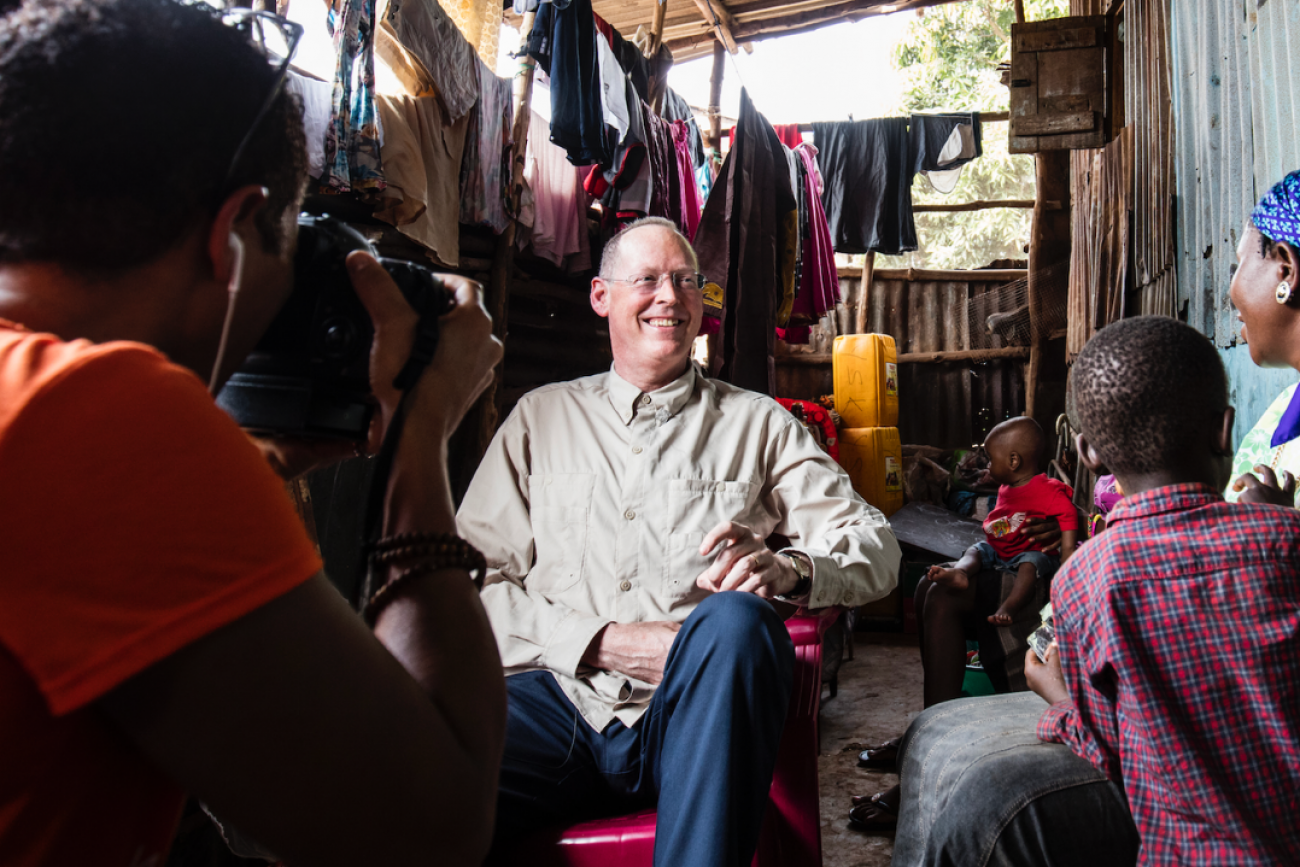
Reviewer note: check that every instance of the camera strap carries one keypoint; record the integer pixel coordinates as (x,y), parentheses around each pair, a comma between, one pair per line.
(422,352)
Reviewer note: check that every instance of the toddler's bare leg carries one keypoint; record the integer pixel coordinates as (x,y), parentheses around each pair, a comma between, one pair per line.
(1021,590)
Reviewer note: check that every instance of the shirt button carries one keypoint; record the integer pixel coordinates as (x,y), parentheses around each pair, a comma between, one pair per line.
(629,514)
(645,400)
(625,586)
(636,450)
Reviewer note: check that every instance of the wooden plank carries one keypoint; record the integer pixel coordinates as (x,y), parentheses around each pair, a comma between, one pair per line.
(852,10)
(973,206)
(1055,124)
(812,359)
(716,16)
(1024,97)
(1057,40)
(964,355)
(921,275)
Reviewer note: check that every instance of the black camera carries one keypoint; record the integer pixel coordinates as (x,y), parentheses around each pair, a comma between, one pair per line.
(310,373)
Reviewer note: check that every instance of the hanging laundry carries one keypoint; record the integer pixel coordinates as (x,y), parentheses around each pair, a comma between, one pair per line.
(742,242)
(868,197)
(661,154)
(613,90)
(563,41)
(608,182)
(704,178)
(485,167)
(479,21)
(634,63)
(422,156)
(352,159)
(942,143)
(316,98)
(553,220)
(429,55)
(522,6)
(819,285)
(677,108)
(687,216)
(787,133)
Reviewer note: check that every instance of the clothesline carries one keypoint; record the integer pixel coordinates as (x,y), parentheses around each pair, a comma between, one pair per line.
(985,117)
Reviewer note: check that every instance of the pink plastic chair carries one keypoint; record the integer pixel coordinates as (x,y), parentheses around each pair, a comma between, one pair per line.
(791,835)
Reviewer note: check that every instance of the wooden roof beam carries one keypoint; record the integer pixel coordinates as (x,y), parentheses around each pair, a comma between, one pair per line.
(687,47)
(716,16)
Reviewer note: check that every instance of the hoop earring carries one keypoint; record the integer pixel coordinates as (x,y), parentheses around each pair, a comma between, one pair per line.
(1283,293)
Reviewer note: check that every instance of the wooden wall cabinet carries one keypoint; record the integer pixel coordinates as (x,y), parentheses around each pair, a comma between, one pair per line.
(1060,84)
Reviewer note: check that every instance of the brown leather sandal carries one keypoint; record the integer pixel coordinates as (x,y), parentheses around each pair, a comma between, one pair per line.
(870,813)
(880,758)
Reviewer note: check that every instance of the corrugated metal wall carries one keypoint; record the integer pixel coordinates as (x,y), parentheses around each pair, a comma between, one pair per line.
(1214,156)
(1237,112)
(1237,95)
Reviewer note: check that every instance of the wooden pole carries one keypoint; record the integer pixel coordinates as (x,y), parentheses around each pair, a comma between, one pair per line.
(657,27)
(715,105)
(868,274)
(1025,204)
(497,292)
(1049,247)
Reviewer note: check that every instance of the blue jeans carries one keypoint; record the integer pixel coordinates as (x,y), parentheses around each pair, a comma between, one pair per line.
(704,751)
(1045,564)
(979,789)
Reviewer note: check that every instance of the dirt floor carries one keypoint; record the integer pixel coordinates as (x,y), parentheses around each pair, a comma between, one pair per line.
(879,694)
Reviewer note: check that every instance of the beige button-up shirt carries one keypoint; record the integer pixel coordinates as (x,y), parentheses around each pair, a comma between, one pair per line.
(593,500)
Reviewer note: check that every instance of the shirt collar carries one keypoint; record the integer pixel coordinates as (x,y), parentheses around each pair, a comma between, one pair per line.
(1172,498)
(626,397)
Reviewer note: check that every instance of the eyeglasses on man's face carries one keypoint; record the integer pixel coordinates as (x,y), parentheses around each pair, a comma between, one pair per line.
(684,281)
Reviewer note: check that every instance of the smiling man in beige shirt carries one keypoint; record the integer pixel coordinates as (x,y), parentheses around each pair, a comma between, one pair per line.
(617,512)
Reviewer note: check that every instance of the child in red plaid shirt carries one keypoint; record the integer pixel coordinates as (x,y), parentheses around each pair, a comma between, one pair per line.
(1178,668)
(1016,450)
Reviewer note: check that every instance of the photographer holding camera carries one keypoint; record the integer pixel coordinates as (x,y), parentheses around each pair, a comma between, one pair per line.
(164,623)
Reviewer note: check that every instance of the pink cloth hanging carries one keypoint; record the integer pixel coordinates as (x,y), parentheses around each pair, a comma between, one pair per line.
(819,287)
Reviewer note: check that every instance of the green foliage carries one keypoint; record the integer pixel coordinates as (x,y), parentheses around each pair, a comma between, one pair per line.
(949,58)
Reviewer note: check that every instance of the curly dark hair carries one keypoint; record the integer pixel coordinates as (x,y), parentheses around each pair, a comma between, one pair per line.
(1143,391)
(120,119)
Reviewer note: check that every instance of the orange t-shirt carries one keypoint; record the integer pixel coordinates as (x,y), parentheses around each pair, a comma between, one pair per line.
(136,518)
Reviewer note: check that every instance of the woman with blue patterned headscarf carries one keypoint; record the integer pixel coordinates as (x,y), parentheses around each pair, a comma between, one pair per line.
(1266,292)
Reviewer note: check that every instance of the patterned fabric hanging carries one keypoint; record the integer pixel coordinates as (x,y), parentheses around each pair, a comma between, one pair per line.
(352,160)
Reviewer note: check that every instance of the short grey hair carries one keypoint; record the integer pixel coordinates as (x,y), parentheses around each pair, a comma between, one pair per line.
(609,258)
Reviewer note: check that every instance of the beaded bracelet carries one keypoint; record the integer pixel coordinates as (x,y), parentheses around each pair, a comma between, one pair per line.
(434,552)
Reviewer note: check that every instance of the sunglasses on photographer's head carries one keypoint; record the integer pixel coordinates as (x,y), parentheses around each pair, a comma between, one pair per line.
(275,38)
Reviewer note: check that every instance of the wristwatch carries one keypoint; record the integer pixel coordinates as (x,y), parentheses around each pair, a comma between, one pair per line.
(803,585)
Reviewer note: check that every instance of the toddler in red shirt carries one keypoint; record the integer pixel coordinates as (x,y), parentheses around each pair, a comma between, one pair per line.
(1016,450)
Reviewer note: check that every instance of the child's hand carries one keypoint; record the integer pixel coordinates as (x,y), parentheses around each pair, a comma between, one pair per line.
(1263,488)
(1044,676)
(1001,617)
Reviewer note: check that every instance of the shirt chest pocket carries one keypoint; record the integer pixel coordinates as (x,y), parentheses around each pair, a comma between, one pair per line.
(696,506)
(560,509)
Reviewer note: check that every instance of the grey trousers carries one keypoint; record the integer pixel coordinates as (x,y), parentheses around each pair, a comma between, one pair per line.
(979,788)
